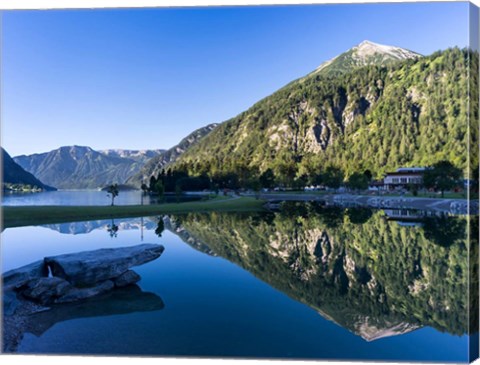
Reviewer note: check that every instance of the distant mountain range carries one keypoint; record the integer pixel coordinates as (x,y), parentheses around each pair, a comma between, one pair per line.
(135,155)
(79,167)
(14,174)
(155,165)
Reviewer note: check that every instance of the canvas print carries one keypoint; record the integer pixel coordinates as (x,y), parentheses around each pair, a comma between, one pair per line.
(281,182)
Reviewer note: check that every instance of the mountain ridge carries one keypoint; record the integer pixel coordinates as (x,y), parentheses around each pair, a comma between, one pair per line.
(377,117)
(79,167)
(14,174)
(154,166)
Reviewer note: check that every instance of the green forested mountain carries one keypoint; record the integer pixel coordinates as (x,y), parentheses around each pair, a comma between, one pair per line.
(408,113)
(355,267)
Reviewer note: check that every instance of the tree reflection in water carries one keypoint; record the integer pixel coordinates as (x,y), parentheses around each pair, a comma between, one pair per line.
(370,275)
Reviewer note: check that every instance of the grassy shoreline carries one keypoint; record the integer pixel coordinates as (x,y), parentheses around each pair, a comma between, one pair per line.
(18,216)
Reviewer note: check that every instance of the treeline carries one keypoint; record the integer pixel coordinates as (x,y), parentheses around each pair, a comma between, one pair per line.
(174,181)
(441,176)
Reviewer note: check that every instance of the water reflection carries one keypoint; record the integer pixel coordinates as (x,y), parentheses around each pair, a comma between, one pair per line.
(375,273)
(112,229)
(121,224)
(356,267)
(130,299)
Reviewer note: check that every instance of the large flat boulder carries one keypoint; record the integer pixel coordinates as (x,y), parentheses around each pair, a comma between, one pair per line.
(91,267)
(17,278)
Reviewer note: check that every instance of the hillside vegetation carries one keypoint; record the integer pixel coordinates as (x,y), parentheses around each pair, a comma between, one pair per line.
(410,113)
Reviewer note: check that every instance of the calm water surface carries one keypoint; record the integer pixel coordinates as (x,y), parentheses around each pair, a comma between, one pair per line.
(307,283)
(85,197)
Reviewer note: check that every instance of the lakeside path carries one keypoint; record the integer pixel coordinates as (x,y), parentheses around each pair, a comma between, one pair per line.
(17,216)
(454,206)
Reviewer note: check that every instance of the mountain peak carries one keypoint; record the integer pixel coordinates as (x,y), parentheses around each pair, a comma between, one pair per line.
(366,42)
(364,54)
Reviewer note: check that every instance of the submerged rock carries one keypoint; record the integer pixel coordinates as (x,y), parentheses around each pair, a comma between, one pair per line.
(90,267)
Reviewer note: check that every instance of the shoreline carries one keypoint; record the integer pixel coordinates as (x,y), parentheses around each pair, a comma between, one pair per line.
(18,216)
(441,205)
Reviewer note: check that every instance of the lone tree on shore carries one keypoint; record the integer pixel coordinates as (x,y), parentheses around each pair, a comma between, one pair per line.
(112,191)
(442,176)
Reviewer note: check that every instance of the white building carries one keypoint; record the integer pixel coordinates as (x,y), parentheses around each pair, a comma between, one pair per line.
(404,177)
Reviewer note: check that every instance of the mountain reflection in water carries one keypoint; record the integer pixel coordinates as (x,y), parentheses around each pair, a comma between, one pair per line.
(368,274)
(371,273)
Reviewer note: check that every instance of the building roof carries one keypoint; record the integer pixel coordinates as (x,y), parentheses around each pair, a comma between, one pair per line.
(396,173)
(411,169)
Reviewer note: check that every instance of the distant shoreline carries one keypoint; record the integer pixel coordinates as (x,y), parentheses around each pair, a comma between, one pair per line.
(442,205)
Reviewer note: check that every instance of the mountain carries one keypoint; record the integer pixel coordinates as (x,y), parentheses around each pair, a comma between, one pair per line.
(136,155)
(155,165)
(365,54)
(78,167)
(413,112)
(14,174)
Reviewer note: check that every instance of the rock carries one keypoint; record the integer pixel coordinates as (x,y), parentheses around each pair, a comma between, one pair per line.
(75,294)
(127,278)
(46,290)
(91,267)
(10,302)
(17,278)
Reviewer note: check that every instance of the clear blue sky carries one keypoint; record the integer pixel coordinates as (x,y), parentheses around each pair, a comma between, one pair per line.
(145,78)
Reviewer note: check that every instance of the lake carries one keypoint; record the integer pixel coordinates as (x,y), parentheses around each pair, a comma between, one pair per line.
(305,282)
(88,197)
